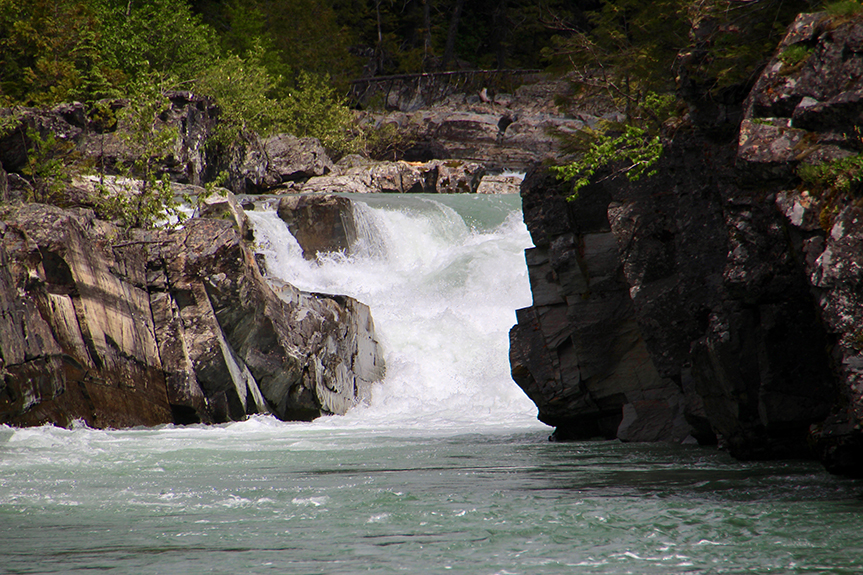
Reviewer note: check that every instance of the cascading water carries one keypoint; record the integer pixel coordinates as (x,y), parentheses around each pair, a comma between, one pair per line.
(446,470)
(442,276)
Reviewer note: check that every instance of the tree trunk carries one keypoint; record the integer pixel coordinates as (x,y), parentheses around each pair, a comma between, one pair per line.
(427,39)
(449,49)
(379,50)
(500,31)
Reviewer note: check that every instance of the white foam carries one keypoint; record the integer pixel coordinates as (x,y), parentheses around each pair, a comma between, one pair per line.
(442,294)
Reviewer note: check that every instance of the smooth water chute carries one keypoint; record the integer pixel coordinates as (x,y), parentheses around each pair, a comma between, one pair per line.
(443,276)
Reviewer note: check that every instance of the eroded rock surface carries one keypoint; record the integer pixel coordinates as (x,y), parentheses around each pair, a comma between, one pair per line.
(319,222)
(162,327)
(510,131)
(721,290)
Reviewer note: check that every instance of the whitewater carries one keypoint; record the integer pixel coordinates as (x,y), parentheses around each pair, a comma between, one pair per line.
(445,469)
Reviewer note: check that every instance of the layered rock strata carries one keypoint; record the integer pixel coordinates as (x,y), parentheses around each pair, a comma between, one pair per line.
(159,327)
(433,177)
(719,298)
(500,131)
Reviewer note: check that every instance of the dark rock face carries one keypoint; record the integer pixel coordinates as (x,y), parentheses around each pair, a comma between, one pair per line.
(319,222)
(820,99)
(165,327)
(193,116)
(740,311)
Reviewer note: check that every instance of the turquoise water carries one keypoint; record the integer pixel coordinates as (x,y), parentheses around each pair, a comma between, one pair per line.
(446,470)
(268,497)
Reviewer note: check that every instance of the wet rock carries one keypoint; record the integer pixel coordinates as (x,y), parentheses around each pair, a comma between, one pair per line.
(742,284)
(165,326)
(321,223)
(578,351)
(83,345)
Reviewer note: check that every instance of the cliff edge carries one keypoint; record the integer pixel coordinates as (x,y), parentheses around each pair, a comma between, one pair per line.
(722,298)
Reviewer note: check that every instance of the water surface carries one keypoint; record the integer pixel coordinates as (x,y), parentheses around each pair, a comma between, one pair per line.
(445,470)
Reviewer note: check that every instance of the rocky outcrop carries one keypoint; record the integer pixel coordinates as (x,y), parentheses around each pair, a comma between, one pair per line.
(436,176)
(506,131)
(95,136)
(808,112)
(253,165)
(164,326)
(579,352)
(321,223)
(722,304)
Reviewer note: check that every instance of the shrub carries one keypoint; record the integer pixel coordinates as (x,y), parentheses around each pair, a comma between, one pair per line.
(843,8)
(141,197)
(633,148)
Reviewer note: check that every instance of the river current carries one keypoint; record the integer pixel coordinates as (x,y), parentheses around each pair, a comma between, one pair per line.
(446,470)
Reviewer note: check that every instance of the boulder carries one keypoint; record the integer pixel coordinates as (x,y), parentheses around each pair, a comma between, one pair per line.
(320,223)
(255,165)
(165,326)
(455,176)
(292,159)
(499,184)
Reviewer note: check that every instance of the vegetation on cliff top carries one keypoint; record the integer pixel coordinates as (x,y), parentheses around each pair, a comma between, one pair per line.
(641,55)
(282,65)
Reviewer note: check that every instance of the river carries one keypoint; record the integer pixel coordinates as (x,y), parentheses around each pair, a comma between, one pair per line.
(446,470)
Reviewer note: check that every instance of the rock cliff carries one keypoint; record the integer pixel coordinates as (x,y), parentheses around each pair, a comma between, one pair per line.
(504,131)
(164,326)
(720,298)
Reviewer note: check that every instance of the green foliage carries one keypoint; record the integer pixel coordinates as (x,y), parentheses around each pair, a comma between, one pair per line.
(844,175)
(794,55)
(628,52)
(631,147)
(313,108)
(294,34)
(246,96)
(50,52)
(50,162)
(734,40)
(161,36)
(141,197)
(10,120)
(844,8)
(834,183)
(242,87)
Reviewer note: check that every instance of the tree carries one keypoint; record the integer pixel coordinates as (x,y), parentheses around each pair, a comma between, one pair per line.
(141,196)
(49,53)
(162,36)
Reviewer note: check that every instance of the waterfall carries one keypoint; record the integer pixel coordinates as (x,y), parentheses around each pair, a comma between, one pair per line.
(442,276)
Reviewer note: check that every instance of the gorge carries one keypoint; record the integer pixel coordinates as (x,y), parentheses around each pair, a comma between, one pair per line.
(336,366)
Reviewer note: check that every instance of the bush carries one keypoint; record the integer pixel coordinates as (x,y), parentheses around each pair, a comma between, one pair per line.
(632,148)
(141,197)
(314,109)
(242,89)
